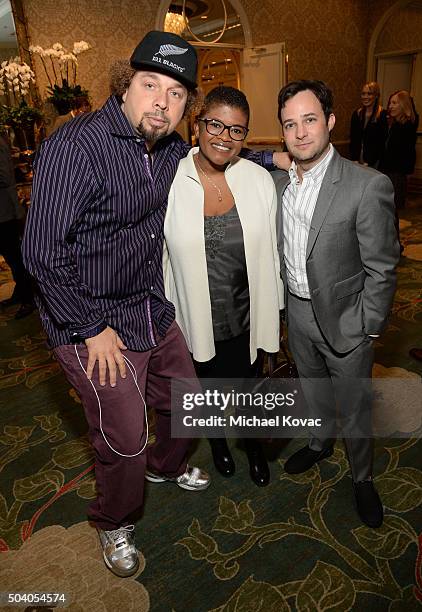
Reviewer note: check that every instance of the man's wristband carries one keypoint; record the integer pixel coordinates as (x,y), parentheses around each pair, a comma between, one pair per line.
(78,337)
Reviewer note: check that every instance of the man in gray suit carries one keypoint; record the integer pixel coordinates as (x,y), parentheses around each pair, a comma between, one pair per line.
(338,250)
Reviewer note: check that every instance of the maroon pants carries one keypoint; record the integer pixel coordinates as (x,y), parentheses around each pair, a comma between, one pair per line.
(120,480)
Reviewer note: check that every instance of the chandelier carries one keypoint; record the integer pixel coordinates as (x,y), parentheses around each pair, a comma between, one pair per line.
(174,23)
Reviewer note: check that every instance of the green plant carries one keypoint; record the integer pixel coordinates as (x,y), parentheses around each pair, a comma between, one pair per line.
(65,92)
(21,115)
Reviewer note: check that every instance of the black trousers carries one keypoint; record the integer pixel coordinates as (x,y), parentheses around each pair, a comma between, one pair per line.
(232,360)
(10,248)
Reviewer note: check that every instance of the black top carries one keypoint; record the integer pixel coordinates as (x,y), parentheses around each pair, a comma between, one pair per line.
(227,275)
(399,154)
(366,141)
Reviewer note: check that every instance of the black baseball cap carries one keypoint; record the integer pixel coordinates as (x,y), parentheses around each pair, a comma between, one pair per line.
(167,53)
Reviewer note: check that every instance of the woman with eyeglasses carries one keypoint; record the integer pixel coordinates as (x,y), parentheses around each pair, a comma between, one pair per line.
(366,133)
(221,265)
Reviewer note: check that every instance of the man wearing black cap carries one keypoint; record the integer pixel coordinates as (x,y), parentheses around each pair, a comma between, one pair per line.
(94,242)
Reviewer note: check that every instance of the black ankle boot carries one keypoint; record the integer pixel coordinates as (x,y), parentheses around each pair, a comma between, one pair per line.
(221,454)
(258,466)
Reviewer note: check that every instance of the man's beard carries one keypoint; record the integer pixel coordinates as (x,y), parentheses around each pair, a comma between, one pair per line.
(152,134)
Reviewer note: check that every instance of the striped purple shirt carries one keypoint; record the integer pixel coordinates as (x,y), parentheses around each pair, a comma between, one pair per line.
(94,234)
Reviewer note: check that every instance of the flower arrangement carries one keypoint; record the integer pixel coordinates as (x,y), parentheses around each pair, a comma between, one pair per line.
(15,82)
(61,67)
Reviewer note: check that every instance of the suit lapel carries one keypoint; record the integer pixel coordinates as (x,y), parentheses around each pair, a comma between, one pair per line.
(325,199)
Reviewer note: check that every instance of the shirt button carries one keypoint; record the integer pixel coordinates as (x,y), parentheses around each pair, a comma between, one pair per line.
(152,235)
(152,287)
(146,154)
(138,139)
(149,262)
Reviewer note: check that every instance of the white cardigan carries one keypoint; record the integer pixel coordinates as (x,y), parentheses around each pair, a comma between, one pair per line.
(185,265)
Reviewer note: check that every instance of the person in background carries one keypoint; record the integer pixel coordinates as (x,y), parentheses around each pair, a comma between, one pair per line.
(366,134)
(221,265)
(338,251)
(399,152)
(80,105)
(10,244)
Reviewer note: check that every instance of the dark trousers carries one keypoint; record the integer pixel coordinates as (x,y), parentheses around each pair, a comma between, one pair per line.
(232,360)
(120,480)
(342,386)
(10,248)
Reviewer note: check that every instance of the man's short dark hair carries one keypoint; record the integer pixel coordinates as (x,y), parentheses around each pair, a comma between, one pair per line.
(318,88)
(225,95)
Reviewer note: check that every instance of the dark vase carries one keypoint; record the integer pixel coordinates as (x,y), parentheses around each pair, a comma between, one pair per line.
(25,136)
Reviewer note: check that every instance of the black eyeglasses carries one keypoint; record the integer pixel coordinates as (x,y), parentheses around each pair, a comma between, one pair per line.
(216,127)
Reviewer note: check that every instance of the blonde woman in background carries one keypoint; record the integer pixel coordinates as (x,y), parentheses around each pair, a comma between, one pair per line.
(366,133)
(399,151)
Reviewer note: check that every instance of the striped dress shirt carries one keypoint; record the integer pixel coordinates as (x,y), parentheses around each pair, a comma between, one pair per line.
(94,234)
(299,200)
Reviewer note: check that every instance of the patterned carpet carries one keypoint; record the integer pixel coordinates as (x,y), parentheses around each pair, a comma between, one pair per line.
(294,545)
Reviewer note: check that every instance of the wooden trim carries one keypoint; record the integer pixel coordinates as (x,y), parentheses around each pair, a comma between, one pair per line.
(253,142)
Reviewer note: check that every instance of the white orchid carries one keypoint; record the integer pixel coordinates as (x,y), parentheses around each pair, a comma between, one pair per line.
(63,63)
(68,57)
(15,80)
(80,47)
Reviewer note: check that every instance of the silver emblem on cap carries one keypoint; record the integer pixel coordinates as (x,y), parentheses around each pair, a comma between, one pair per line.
(170,50)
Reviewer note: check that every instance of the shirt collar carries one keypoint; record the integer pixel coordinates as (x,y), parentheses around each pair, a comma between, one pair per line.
(118,123)
(316,173)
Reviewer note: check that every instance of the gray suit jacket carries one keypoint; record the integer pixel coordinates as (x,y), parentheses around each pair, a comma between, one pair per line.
(352,251)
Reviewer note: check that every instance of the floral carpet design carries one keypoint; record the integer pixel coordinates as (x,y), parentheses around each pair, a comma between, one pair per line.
(296,545)
(326,586)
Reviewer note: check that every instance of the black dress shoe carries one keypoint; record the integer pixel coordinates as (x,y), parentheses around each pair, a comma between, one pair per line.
(221,454)
(368,503)
(24,311)
(258,466)
(305,458)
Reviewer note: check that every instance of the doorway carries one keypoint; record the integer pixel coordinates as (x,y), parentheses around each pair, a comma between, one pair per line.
(394,73)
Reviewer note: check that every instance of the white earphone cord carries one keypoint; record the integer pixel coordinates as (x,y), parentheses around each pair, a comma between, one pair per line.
(132,370)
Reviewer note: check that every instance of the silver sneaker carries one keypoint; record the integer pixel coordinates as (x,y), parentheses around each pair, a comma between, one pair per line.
(194,479)
(119,552)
